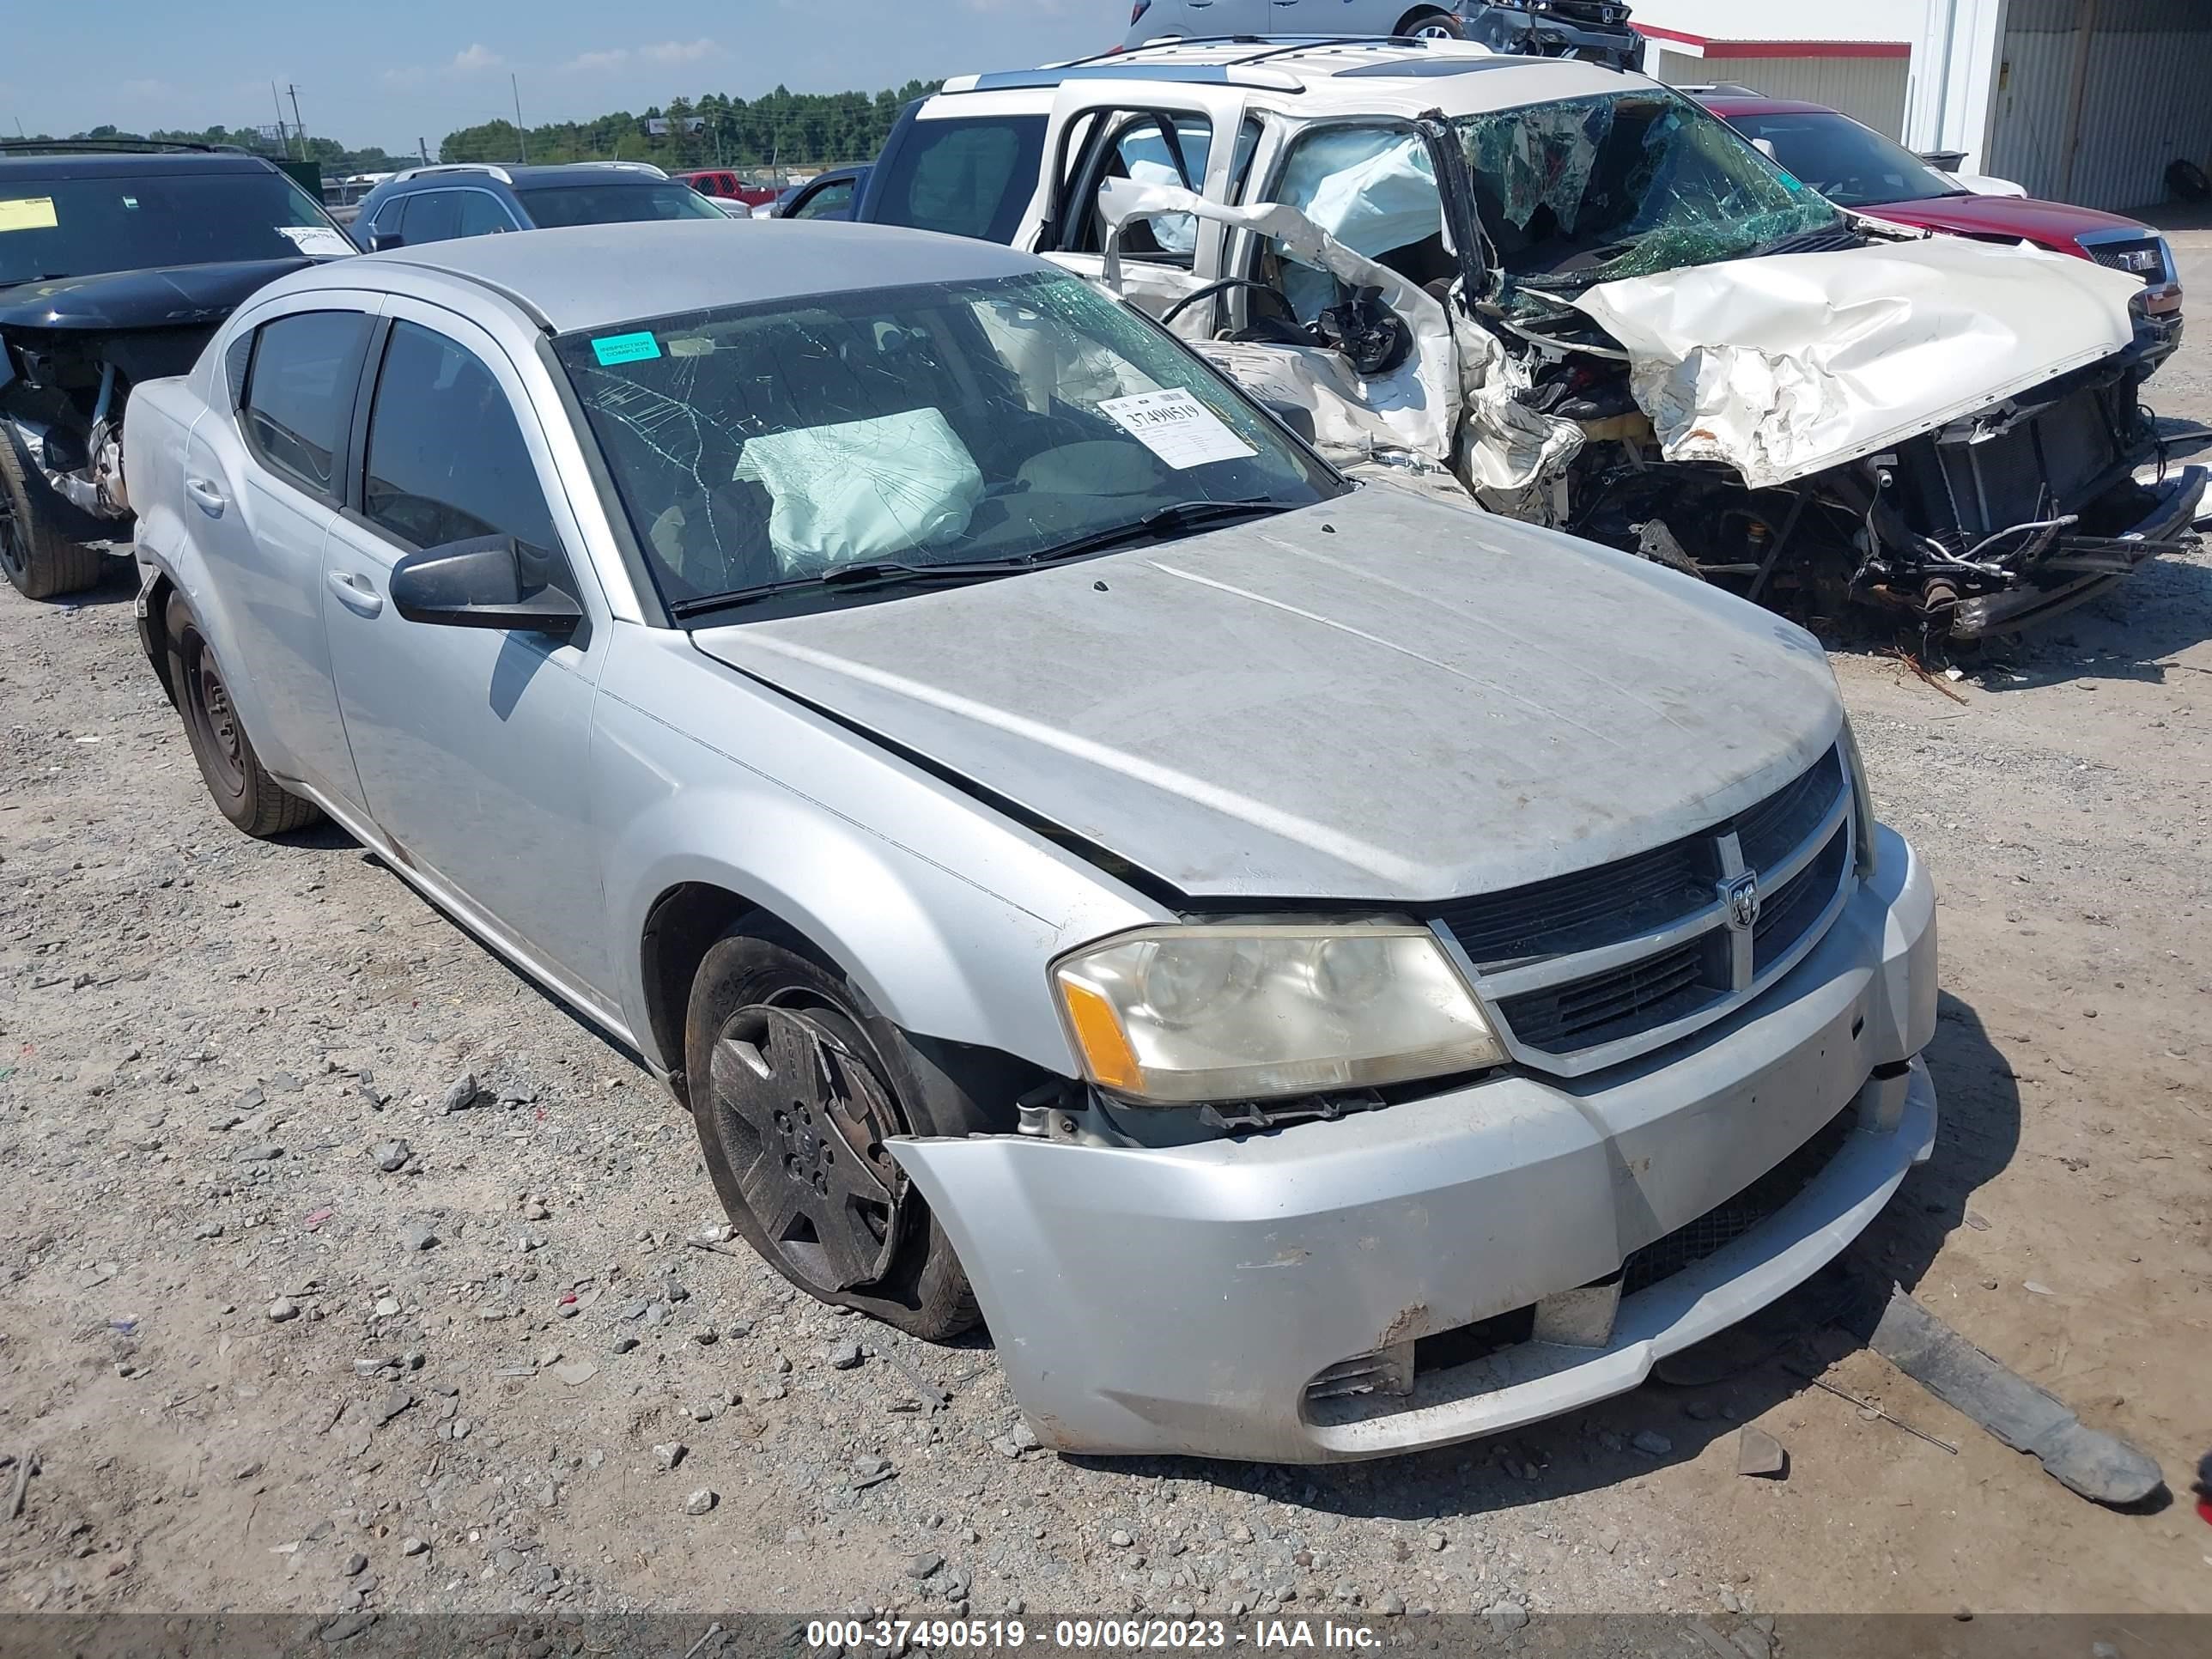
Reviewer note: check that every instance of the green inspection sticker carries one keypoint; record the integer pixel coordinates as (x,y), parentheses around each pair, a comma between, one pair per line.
(613,349)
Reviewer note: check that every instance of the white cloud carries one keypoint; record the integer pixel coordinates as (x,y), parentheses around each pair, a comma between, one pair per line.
(663,54)
(680,51)
(474,59)
(408,75)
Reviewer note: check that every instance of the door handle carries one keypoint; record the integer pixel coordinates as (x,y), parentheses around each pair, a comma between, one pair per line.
(355,595)
(212,500)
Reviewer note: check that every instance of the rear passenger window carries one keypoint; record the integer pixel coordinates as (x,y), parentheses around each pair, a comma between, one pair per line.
(299,393)
(447,461)
(967,178)
(1151,150)
(435,216)
(482,214)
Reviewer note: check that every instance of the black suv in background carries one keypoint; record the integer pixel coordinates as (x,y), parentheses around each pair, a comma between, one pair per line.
(118,260)
(447,199)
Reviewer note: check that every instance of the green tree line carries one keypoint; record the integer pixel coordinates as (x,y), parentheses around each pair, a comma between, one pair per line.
(782,127)
(336,158)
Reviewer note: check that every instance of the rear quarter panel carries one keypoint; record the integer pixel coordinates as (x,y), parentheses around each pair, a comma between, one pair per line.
(158,423)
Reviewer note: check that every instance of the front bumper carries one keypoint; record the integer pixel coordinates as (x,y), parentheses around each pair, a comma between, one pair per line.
(1181,1300)
(2065,580)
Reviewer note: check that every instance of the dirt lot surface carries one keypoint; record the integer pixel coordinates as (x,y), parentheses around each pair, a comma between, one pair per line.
(284,1334)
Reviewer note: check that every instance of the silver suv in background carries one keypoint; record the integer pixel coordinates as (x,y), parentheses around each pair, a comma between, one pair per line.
(1596,30)
(1081,861)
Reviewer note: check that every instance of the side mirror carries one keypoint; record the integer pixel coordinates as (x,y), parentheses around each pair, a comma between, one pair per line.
(1765,147)
(1944,160)
(493,582)
(380,239)
(1295,416)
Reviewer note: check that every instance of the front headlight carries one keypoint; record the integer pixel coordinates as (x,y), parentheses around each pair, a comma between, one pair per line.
(1861,804)
(1172,1016)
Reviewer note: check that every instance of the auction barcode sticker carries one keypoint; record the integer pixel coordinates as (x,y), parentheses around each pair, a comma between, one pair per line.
(1175,426)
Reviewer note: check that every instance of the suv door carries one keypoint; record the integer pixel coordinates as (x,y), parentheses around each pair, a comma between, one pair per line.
(483,214)
(1101,130)
(264,472)
(471,742)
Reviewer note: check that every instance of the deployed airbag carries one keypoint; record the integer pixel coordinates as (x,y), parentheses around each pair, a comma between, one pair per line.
(863,489)
(1789,364)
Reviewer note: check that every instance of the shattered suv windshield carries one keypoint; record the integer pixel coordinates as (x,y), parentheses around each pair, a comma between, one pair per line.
(994,422)
(1590,190)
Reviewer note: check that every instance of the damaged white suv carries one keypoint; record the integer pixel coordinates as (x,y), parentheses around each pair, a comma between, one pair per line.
(1584,298)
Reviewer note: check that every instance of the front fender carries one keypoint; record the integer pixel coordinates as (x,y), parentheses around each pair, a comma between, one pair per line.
(943,914)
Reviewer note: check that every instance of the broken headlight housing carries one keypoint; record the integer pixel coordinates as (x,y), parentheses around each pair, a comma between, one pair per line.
(1863,821)
(1251,1011)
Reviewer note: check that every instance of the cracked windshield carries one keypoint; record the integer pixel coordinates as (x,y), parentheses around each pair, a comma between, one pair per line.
(989,425)
(1592,189)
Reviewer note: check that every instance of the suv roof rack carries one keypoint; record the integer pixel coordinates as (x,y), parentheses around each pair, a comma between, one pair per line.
(636,167)
(122,147)
(496,171)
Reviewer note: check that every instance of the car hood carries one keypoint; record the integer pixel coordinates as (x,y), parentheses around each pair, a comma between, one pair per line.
(1382,698)
(2053,224)
(178,296)
(1786,365)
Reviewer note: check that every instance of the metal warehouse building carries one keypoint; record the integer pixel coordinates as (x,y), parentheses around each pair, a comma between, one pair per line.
(2083,100)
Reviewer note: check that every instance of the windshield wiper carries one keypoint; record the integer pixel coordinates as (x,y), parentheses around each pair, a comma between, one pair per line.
(1159,523)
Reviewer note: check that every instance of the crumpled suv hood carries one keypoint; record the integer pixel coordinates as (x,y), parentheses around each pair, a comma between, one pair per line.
(1792,363)
(1380,698)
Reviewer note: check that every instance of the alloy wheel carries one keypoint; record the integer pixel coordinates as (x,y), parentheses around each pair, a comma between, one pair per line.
(804,1115)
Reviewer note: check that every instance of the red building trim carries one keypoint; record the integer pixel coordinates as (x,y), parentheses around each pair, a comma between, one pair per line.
(1704,46)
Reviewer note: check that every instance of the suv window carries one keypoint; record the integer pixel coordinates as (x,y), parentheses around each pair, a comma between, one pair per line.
(968,177)
(1151,151)
(483,214)
(299,393)
(431,215)
(552,205)
(1375,190)
(447,462)
(832,199)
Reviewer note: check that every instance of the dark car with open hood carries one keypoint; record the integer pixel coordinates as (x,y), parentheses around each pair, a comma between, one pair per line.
(117,261)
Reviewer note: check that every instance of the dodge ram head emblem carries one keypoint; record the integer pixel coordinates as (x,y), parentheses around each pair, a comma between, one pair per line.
(1741,898)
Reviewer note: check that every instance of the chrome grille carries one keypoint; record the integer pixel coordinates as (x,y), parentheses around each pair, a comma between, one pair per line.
(1586,971)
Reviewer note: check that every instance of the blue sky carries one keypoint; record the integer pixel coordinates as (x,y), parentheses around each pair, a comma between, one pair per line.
(422,69)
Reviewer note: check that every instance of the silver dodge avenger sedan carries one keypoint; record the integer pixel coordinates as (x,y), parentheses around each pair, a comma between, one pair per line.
(1320,971)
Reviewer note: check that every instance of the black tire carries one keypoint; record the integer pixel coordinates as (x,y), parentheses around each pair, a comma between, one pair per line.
(38,555)
(239,785)
(1439,25)
(776,1141)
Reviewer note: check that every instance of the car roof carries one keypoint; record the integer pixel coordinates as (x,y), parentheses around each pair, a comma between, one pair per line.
(586,276)
(133,163)
(1326,76)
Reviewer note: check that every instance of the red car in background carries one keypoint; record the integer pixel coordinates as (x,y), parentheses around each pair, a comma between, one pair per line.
(726,185)
(1855,168)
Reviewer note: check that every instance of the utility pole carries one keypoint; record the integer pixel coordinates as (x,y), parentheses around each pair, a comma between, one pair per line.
(298,125)
(422,150)
(283,138)
(521,136)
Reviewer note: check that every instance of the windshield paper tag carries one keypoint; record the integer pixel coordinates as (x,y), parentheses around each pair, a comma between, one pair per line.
(612,349)
(27,213)
(317,241)
(1175,426)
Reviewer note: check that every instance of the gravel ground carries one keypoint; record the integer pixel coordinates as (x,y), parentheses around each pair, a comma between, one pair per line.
(295,1320)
